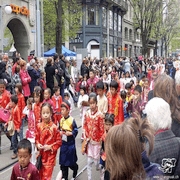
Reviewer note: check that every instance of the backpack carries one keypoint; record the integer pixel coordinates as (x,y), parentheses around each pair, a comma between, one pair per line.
(60,70)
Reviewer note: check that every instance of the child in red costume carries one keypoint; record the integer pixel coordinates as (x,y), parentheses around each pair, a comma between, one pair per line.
(4,101)
(16,118)
(38,99)
(57,101)
(93,132)
(115,103)
(48,141)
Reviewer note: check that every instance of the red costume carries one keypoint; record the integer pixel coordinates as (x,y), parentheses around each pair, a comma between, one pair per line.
(91,83)
(29,173)
(16,117)
(94,125)
(21,103)
(5,99)
(37,112)
(115,106)
(57,101)
(48,134)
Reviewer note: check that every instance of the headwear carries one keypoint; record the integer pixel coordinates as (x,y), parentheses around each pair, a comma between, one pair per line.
(66,105)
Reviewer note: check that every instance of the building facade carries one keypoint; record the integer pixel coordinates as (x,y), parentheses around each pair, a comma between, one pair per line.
(101,30)
(22,22)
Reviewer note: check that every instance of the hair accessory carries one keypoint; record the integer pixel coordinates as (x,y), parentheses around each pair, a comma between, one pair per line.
(66,105)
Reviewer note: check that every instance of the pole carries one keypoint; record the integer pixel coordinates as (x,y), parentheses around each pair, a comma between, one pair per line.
(2,32)
(42,30)
(107,12)
(38,29)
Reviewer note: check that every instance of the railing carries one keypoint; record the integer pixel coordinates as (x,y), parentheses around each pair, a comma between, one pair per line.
(121,3)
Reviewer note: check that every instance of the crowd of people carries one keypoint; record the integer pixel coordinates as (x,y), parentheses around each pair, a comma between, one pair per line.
(129,107)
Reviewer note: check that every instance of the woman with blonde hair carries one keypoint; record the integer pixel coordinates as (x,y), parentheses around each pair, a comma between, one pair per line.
(125,146)
(165,88)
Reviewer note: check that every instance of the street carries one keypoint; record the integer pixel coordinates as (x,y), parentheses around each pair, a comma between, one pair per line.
(82,173)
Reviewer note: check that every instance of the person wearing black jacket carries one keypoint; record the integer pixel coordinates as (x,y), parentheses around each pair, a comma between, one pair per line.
(50,72)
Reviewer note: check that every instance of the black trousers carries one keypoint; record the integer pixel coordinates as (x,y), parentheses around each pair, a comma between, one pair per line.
(65,170)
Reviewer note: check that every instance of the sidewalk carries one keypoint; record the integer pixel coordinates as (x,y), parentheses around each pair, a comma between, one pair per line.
(6,153)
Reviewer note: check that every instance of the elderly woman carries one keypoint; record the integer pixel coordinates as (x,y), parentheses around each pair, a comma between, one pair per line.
(165,88)
(167,146)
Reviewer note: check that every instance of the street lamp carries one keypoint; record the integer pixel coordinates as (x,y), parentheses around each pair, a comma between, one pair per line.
(8,10)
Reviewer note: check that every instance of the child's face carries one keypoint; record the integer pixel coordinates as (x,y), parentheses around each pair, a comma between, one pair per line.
(57,93)
(113,91)
(64,111)
(16,90)
(146,84)
(82,92)
(92,104)
(46,94)
(12,104)
(36,99)
(107,126)
(137,95)
(100,92)
(66,98)
(2,88)
(128,91)
(29,106)
(23,157)
(46,114)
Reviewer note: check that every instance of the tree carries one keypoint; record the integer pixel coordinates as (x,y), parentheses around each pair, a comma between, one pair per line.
(148,18)
(61,21)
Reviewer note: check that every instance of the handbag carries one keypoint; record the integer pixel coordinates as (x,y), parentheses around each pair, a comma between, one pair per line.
(39,162)
(84,146)
(10,128)
(4,115)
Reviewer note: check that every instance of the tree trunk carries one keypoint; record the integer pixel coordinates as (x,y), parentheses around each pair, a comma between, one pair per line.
(144,45)
(59,27)
(156,47)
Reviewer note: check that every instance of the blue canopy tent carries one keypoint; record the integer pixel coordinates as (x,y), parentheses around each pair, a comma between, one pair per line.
(65,52)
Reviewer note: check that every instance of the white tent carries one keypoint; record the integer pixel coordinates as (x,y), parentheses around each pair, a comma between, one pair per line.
(12,48)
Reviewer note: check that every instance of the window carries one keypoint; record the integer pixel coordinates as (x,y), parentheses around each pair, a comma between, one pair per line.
(91,15)
(115,21)
(130,34)
(104,17)
(126,32)
(119,23)
(110,19)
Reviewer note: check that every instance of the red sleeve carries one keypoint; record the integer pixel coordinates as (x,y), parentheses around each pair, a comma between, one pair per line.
(17,118)
(37,134)
(101,127)
(85,125)
(58,141)
(13,175)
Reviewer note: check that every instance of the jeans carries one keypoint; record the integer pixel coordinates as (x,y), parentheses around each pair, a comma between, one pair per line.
(15,141)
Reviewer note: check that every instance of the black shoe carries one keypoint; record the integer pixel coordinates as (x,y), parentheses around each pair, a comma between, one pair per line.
(75,171)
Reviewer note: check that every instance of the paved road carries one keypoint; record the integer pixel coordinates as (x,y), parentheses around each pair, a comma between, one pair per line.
(82,174)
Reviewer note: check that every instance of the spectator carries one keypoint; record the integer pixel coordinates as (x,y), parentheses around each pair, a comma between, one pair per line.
(167,146)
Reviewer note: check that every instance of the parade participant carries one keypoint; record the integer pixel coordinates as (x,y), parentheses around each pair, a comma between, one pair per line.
(108,123)
(24,169)
(30,133)
(48,141)
(16,118)
(38,99)
(115,103)
(69,131)
(4,101)
(138,104)
(47,98)
(42,80)
(57,101)
(16,78)
(93,131)
(145,90)
(83,104)
(91,82)
(102,101)
(126,156)
(67,98)
(21,105)
(129,96)
(126,105)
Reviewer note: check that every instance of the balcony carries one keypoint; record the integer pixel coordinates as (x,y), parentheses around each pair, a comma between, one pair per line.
(120,4)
